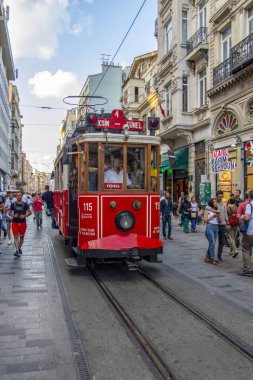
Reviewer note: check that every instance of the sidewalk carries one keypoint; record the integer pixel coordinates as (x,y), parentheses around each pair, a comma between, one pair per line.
(34,342)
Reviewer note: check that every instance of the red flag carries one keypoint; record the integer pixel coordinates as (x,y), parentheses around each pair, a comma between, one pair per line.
(161,109)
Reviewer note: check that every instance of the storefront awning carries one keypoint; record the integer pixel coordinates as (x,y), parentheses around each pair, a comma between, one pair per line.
(181,162)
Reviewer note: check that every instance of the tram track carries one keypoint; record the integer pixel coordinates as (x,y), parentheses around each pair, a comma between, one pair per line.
(234,341)
(165,371)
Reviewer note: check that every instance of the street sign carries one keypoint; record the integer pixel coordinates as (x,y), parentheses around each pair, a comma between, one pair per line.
(117,122)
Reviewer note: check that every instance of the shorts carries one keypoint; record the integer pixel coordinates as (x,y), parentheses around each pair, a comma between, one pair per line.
(8,220)
(19,229)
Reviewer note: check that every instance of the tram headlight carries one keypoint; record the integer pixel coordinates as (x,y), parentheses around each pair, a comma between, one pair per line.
(125,220)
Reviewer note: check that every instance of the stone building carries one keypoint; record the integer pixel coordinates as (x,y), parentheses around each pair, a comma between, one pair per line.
(139,91)
(231,94)
(6,75)
(205,82)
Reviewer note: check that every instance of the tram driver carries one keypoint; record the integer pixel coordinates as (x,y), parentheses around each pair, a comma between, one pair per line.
(115,174)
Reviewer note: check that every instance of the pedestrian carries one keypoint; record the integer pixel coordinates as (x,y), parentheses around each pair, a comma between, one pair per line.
(185,211)
(37,207)
(247,240)
(211,218)
(180,202)
(194,214)
(2,228)
(242,207)
(166,207)
(19,211)
(238,199)
(48,197)
(1,214)
(7,207)
(223,221)
(233,228)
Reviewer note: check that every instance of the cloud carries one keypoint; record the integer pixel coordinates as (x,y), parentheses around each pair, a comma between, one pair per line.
(47,85)
(36,25)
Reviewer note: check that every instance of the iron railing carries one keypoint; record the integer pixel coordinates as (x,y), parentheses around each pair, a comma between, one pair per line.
(241,54)
(200,37)
(221,72)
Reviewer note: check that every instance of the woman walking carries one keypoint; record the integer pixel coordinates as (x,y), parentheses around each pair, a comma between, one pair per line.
(194,214)
(233,226)
(185,211)
(211,219)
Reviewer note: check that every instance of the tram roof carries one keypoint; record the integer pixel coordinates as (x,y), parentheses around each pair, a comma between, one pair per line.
(118,138)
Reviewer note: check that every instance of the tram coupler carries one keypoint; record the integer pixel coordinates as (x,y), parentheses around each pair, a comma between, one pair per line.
(131,265)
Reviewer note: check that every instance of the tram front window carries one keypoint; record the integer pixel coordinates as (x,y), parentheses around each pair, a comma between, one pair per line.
(136,167)
(113,169)
(93,167)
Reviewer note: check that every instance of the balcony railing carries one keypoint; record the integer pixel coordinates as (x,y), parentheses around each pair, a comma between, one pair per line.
(241,54)
(221,72)
(200,37)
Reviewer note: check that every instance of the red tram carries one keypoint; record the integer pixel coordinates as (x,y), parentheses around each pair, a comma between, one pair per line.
(107,191)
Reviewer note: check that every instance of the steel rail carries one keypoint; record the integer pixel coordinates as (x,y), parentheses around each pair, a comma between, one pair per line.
(155,358)
(225,335)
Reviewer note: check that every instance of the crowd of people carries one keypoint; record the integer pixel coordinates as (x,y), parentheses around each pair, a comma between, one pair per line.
(15,207)
(229,223)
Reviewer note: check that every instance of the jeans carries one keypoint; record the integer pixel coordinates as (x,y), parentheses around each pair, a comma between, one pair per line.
(211,233)
(52,217)
(194,223)
(221,239)
(167,221)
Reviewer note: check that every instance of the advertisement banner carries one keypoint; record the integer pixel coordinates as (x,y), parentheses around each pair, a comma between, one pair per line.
(88,218)
(221,162)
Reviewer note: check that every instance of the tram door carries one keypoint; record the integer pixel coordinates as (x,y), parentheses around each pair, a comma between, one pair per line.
(73,191)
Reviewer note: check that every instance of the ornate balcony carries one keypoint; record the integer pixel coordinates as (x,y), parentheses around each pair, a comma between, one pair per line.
(241,55)
(197,44)
(221,72)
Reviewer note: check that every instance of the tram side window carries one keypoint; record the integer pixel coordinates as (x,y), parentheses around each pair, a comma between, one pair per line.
(93,167)
(136,167)
(113,168)
(81,168)
(153,169)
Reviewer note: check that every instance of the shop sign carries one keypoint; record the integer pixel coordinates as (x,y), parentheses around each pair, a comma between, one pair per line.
(249,153)
(221,162)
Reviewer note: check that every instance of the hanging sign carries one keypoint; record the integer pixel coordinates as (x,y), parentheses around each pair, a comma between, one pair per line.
(249,153)
(221,162)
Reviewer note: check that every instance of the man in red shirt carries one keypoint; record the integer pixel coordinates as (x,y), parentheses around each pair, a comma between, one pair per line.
(242,207)
(37,208)
(19,211)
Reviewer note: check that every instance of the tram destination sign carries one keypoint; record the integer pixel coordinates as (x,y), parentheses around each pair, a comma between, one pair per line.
(117,122)
(221,162)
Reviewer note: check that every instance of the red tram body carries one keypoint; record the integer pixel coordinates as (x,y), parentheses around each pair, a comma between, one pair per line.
(106,200)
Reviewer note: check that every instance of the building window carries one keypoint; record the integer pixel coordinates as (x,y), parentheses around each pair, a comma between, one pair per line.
(125,97)
(202,88)
(168,37)
(168,100)
(184,26)
(226,41)
(136,94)
(202,15)
(250,22)
(185,93)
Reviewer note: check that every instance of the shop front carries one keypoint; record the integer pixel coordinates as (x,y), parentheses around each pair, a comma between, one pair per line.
(175,175)
(248,168)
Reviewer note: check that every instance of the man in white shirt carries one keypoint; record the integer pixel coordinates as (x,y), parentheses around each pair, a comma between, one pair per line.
(247,240)
(115,174)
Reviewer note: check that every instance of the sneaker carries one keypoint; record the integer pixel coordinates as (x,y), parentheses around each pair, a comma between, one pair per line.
(219,260)
(9,242)
(235,254)
(5,234)
(20,252)
(39,227)
(0,252)
(170,238)
(16,254)
(246,273)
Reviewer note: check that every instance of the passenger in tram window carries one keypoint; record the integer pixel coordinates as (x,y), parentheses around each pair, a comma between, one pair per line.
(93,174)
(136,175)
(115,174)
(153,184)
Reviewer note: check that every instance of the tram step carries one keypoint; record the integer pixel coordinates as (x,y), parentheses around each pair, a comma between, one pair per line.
(72,262)
(131,266)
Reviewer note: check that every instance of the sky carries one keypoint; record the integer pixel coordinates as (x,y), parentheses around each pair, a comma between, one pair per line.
(56,44)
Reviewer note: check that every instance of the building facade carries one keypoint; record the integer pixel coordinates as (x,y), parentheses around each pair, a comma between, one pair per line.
(16,136)
(139,91)
(231,95)
(6,75)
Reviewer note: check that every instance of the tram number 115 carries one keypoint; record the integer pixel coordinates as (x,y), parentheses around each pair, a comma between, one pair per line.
(87,207)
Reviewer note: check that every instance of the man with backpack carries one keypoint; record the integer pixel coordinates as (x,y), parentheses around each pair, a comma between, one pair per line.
(247,240)
(19,211)
(233,226)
